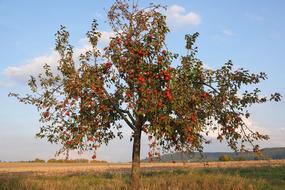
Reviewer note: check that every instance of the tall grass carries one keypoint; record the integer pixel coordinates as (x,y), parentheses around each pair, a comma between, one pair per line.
(262,178)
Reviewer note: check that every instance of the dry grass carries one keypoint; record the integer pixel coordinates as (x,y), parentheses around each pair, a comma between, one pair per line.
(46,168)
(260,178)
(242,175)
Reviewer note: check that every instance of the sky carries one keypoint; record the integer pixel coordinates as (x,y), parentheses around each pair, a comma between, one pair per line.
(250,33)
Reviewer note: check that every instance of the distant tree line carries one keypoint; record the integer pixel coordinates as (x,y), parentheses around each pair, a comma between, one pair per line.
(53,160)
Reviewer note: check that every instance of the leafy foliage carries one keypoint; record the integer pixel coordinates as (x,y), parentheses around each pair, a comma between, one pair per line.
(225,158)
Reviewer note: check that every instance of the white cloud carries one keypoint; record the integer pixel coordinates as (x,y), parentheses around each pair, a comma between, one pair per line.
(228,32)
(105,38)
(178,16)
(32,67)
(255,17)
(21,73)
(276,135)
(223,34)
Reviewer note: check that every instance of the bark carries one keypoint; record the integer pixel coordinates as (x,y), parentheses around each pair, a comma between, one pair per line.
(135,175)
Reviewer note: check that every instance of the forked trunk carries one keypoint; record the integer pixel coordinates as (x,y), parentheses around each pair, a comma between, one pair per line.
(135,175)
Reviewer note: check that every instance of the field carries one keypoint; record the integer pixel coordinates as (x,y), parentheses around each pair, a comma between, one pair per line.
(157,176)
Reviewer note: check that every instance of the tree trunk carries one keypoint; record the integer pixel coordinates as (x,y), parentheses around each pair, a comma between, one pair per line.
(135,178)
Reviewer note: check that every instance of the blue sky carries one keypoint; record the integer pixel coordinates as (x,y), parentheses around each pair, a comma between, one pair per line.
(251,33)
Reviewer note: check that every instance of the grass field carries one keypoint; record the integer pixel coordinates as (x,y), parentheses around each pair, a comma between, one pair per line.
(217,176)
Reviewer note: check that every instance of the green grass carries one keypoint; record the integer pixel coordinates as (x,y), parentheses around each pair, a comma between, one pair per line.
(260,178)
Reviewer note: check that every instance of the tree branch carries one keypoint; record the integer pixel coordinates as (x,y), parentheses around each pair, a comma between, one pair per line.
(119,110)
(244,125)
(130,115)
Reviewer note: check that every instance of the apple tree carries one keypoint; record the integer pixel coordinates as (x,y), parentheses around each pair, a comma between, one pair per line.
(134,83)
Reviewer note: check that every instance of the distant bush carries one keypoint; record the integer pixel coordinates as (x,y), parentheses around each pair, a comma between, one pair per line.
(82,160)
(257,158)
(67,161)
(52,160)
(225,158)
(240,158)
(37,160)
(97,161)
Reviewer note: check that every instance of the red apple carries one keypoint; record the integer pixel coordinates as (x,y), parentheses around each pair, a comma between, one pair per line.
(46,114)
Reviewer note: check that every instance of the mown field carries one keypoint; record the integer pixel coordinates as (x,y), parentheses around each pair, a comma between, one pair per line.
(244,175)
